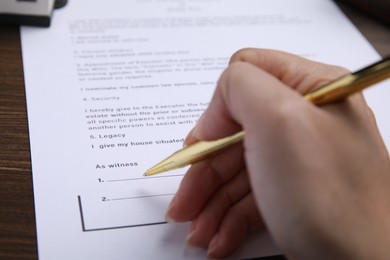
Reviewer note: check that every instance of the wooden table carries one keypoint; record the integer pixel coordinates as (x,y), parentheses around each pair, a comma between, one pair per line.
(17,222)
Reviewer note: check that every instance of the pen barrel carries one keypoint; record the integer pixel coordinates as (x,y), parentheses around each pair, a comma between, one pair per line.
(203,149)
(350,84)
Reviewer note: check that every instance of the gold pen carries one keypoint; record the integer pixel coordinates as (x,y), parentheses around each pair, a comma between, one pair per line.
(331,92)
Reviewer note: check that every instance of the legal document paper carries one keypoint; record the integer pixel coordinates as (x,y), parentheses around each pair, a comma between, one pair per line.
(114,86)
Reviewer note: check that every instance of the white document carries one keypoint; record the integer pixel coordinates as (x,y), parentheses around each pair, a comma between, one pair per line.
(114,86)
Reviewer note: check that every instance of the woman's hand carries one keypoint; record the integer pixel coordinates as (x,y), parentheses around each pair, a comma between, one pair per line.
(318,178)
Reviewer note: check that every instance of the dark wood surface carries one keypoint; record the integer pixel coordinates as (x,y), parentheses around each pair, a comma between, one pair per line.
(17,222)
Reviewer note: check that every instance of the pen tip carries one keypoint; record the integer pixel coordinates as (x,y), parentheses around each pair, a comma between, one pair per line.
(163,166)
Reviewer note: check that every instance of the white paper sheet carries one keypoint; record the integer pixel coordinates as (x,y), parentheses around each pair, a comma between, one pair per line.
(114,86)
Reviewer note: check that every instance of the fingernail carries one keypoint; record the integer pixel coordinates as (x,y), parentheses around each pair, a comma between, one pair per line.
(194,131)
(213,246)
(189,237)
(168,216)
(194,250)
(168,219)
(191,231)
(188,138)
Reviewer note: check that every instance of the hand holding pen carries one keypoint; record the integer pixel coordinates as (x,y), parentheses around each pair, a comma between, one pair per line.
(333,91)
(318,178)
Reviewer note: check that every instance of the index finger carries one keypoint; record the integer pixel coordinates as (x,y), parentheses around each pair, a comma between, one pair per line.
(299,73)
(291,71)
